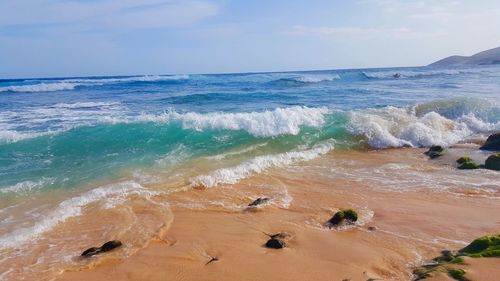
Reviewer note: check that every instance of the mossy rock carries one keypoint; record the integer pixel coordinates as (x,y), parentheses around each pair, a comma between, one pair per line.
(487,246)
(464,159)
(493,162)
(344,215)
(469,166)
(484,247)
(457,274)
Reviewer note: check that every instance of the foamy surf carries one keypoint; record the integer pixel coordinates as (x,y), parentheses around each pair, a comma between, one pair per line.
(70,84)
(109,196)
(260,124)
(258,165)
(41,87)
(398,127)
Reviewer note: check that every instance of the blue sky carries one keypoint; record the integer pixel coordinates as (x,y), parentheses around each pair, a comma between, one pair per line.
(44,38)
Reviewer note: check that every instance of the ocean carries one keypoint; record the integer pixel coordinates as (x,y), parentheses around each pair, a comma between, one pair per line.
(72,149)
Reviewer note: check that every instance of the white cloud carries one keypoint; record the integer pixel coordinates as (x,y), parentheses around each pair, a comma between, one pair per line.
(106,13)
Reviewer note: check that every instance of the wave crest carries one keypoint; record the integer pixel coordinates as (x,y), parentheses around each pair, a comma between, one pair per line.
(71,84)
(397,127)
(280,121)
(258,165)
(41,87)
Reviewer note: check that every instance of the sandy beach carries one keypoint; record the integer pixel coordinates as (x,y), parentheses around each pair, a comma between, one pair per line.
(400,227)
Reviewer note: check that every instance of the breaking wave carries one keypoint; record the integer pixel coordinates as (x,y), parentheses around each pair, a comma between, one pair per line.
(280,121)
(71,84)
(301,80)
(41,87)
(259,164)
(399,127)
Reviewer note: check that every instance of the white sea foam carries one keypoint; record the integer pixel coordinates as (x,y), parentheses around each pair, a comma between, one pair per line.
(146,78)
(10,136)
(237,152)
(386,74)
(396,127)
(316,78)
(259,164)
(110,196)
(280,121)
(71,84)
(41,87)
(26,186)
(23,124)
(78,105)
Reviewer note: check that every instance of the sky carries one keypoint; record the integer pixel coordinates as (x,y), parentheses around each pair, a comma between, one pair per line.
(60,38)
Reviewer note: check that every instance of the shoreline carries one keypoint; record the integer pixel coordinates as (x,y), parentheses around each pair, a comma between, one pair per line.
(411,225)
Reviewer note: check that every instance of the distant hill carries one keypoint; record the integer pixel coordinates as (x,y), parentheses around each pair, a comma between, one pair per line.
(489,57)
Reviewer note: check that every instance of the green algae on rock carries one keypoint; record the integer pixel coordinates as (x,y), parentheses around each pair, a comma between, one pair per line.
(486,246)
(466,163)
(344,215)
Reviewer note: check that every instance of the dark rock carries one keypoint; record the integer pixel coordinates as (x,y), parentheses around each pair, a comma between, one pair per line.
(110,245)
(259,201)
(274,243)
(446,256)
(493,162)
(372,228)
(492,143)
(91,251)
(434,151)
(339,217)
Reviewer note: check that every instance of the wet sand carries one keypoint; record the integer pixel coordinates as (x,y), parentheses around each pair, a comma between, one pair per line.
(417,207)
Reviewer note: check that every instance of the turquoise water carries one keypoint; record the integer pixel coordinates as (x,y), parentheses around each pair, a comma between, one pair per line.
(61,133)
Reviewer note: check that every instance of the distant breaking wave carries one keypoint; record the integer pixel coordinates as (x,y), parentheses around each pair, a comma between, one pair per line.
(307,79)
(42,87)
(71,84)
(419,74)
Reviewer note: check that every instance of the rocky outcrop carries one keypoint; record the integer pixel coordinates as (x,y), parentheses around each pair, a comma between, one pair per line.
(484,247)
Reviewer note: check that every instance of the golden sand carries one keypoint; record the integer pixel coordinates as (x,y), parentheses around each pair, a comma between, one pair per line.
(392,190)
